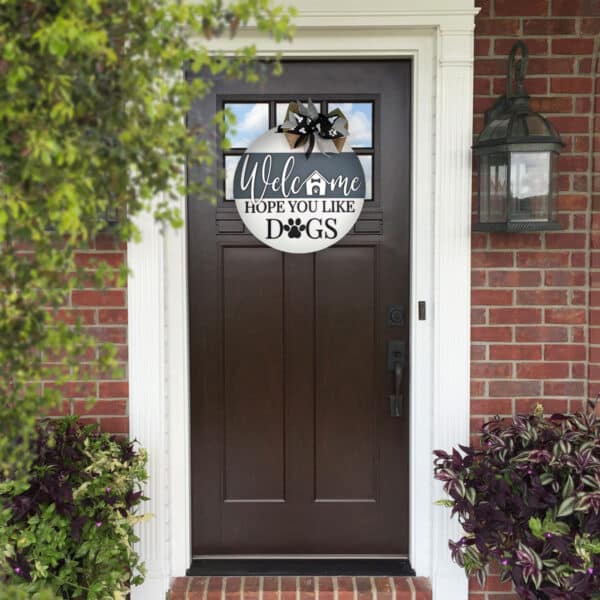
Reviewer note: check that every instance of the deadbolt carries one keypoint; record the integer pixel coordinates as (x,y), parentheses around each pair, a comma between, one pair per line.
(395,315)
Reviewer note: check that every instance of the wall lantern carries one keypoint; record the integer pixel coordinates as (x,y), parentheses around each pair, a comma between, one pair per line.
(518,160)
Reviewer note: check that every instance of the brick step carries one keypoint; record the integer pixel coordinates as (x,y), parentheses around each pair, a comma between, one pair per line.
(300,588)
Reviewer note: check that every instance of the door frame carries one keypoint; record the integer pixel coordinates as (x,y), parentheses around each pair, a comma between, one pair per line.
(439,41)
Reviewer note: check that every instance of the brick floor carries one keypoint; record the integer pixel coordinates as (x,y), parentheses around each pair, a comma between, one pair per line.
(300,588)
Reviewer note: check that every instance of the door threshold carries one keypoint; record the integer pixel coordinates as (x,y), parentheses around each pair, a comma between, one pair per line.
(298,556)
(399,567)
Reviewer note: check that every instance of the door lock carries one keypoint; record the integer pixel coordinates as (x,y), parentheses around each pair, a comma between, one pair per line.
(395,315)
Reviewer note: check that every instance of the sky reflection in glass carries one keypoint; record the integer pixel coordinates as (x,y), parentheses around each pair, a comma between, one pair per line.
(251,120)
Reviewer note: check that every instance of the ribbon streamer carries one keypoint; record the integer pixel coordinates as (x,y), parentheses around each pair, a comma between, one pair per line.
(305,125)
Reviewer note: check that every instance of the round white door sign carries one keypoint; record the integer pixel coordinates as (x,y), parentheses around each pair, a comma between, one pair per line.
(296,202)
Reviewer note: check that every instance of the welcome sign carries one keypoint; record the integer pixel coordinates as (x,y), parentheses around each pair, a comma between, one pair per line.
(296,199)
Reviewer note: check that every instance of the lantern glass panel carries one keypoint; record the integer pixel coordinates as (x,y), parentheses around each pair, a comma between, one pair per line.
(530,186)
(493,173)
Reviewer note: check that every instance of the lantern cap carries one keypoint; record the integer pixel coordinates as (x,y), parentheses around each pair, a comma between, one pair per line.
(519,128)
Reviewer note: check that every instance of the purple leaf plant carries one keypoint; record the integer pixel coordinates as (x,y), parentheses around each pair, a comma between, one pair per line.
(528,499)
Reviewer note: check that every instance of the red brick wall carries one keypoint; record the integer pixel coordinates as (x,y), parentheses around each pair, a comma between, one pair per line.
(104,314)
(535,328)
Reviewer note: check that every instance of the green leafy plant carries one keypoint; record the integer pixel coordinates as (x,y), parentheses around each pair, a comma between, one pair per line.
(12,592)
(529,499)
(92,132)
(69,528)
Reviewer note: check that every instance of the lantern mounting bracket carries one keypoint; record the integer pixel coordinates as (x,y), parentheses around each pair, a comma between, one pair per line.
(515,78)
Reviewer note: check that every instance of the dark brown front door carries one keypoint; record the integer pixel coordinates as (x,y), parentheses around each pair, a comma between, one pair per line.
(294,447)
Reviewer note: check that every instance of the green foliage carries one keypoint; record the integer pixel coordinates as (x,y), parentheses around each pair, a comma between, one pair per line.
(528,499)
(13,592)
(92,107)
(546,528)
(70,527)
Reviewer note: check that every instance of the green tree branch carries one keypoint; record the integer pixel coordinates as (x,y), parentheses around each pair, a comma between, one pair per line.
(92,124)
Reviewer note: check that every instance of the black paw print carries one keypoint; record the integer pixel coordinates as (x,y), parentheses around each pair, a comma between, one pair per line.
(294,228)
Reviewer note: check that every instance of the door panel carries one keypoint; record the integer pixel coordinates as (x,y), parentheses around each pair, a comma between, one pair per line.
(253,313)
(344,362)
(294,449)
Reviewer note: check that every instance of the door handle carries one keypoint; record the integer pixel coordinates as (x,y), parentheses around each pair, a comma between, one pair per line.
(396,357)
(396,399)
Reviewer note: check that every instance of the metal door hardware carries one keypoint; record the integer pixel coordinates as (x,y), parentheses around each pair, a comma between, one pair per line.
(395,315)
(395,364)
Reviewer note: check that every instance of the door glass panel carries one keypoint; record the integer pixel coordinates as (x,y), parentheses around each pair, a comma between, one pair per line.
(360,121)
(280,110)
(366,161)
(251,120)
(230,166)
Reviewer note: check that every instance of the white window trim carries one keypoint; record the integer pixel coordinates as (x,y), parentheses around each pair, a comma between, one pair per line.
(440,44)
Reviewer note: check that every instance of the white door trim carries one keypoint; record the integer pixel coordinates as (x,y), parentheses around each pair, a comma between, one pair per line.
(440,44)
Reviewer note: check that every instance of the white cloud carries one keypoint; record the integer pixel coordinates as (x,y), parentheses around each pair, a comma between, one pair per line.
(359,123)
(360,129)
(231,163)
(280,112)
(249,123)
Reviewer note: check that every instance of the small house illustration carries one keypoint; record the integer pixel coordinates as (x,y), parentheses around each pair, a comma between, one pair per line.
(316,184)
